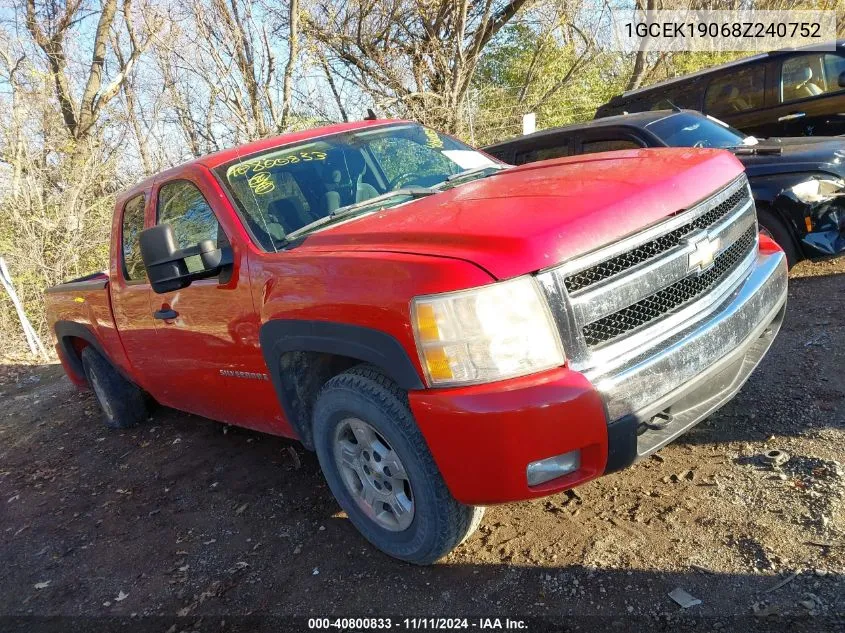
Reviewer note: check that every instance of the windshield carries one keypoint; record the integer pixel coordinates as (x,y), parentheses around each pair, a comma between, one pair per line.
(282,190)
(693,130)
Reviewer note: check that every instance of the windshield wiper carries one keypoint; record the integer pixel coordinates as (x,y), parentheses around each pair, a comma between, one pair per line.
(351,209)
(475,171)
(751,150)
(413,192)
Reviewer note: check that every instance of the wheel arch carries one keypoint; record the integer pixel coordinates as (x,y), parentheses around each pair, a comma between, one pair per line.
(72,338)
(302,355)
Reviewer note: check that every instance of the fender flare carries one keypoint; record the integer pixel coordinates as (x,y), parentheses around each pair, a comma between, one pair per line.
(280,336)
(65,330)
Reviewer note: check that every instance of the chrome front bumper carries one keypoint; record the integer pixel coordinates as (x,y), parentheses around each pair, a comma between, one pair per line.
(701,367)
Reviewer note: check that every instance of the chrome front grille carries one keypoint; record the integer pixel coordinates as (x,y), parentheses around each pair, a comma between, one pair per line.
(660,244)
(678,294)
(627,297)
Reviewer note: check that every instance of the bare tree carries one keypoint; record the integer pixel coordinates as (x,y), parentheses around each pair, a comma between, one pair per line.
(13,143)
(417,55)
(330,80)
(293,52)
(50,23)
(222,73)
(54,214)
(641,59)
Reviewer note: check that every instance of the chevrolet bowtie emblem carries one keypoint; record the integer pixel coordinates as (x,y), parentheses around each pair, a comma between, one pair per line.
(703,253)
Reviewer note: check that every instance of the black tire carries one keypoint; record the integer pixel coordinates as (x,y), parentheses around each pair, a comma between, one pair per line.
(778,231)
(123,404)
(440,523)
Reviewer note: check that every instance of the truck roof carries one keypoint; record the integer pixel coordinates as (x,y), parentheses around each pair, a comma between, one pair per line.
(221,157)
(634,119)
(839,44)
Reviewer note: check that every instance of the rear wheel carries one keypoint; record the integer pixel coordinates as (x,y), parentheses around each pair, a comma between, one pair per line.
(379,468)
(771,226)
(123,403)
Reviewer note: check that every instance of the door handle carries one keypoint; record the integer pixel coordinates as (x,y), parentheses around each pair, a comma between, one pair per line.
(792,115)
(164,314)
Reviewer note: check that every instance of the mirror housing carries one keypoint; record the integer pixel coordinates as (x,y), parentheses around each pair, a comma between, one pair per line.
(165,263)
(842,79)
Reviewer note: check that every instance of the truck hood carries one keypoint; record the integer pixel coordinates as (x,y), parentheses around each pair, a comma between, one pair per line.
(540,214)
(801,153)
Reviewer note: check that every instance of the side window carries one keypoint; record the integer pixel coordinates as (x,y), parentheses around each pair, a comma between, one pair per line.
(687,97)
(504,155)
(544,153)
(664,104)
(592,147)
(810,75)
(181,205)
(636,104)
(834,66)
(133,224)
(736,92)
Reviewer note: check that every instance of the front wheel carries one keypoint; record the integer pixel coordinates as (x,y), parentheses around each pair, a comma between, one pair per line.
(381,472)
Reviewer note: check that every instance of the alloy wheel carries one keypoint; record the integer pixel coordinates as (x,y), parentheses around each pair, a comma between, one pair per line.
(373,474)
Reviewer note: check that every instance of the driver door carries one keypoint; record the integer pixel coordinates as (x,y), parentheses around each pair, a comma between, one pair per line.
(206,344)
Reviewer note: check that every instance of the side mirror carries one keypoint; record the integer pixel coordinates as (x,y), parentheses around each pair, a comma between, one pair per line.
(166,266)
(842,79)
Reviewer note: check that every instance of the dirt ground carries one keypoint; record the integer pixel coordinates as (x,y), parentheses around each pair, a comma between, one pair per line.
(187,517)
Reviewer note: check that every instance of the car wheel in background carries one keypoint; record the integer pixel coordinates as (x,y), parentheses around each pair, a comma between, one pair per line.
(771,226)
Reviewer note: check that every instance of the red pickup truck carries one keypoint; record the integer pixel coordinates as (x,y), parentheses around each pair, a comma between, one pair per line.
(444,330)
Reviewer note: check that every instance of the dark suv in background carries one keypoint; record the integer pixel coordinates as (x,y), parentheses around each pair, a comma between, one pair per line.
(797,92)
(796,182)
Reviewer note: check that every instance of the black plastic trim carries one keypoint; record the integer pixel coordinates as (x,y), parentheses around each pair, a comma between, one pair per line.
(363,343)
(621,443)
(66,330)
(89,282)
(281,336)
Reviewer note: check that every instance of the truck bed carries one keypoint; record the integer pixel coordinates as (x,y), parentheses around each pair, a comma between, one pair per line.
(86,282)
(79,313)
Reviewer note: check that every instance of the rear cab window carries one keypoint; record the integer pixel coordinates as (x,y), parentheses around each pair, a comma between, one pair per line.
(562,148)
(736,91)
(608,145)
(182,206)
(131,227)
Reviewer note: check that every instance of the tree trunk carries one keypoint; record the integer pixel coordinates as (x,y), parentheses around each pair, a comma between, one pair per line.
(293,52)
(639,72)
(332,86)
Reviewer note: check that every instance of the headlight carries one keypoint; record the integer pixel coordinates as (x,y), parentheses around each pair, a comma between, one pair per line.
(490,333)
